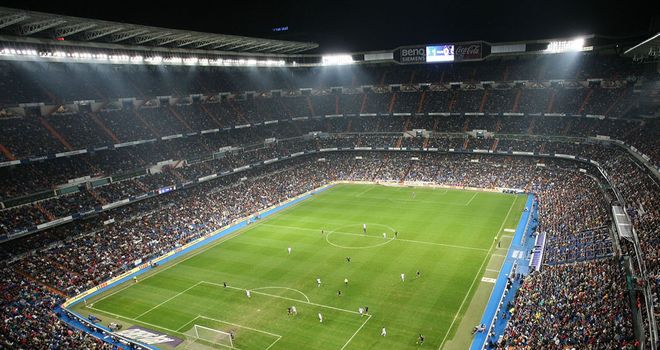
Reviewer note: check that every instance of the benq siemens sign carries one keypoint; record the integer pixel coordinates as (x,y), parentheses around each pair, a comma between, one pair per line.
(415,54)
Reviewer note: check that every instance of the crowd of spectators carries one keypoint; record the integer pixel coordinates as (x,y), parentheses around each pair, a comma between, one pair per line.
(578,299)
(33,136)
(641,196)
(29,321)
(196,166)
(46,175)
(582,305)
(157,225)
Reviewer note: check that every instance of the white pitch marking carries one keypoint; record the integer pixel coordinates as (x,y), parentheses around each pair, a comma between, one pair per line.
(187,323)
(208,246)
(169,299)
(475,278)
(291,289)
(356,332)
(365,191)
(285,298)
(271,345)
(150,325)
(397,239)
(470,201)
(238,325)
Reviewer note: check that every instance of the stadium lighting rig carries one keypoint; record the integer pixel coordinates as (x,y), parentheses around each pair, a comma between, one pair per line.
(338,59)
(100,57)
(574,45)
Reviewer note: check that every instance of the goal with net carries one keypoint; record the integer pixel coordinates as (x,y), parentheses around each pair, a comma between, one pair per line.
(213,336)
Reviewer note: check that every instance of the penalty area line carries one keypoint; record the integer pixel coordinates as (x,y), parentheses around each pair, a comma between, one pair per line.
(281,297)
(238,325)
(210,245)
(291,289)
(356,332)
(156,326)
(169,299)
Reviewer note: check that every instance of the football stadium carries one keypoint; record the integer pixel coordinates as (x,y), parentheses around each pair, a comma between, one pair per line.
(165,187)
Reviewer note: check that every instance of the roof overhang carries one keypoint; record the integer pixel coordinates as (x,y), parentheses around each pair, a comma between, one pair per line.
(52,27)
(647,48)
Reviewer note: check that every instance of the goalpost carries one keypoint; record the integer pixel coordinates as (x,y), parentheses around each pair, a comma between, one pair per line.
(213,336)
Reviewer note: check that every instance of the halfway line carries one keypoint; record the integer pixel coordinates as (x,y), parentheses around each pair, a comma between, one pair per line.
(372,236)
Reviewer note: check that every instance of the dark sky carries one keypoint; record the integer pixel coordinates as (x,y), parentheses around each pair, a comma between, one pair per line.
(375,25)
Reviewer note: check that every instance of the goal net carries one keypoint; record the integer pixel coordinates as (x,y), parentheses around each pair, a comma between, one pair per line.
(213,336)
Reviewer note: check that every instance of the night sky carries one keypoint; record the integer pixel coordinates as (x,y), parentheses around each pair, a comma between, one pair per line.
(370,25)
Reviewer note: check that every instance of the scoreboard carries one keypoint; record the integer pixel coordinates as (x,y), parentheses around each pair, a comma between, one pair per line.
(440,53)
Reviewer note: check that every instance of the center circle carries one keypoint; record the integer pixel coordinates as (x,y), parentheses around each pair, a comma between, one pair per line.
(354,234)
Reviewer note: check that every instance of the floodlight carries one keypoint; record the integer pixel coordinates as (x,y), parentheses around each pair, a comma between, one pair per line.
(337,59)
(565,45)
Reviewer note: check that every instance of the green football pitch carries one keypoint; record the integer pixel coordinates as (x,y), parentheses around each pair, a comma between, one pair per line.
(450,236)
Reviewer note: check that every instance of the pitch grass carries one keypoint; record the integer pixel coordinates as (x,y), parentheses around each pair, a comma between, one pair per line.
(448,235)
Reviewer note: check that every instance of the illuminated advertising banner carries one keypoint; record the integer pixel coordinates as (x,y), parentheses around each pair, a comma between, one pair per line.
(165,189)
(416,54)
(465,52)
(440,53)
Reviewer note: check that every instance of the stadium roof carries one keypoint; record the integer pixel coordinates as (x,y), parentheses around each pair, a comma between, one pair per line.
(647,48)
(30,24)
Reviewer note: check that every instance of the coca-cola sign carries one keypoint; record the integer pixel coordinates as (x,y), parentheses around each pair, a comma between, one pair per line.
(467,52)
